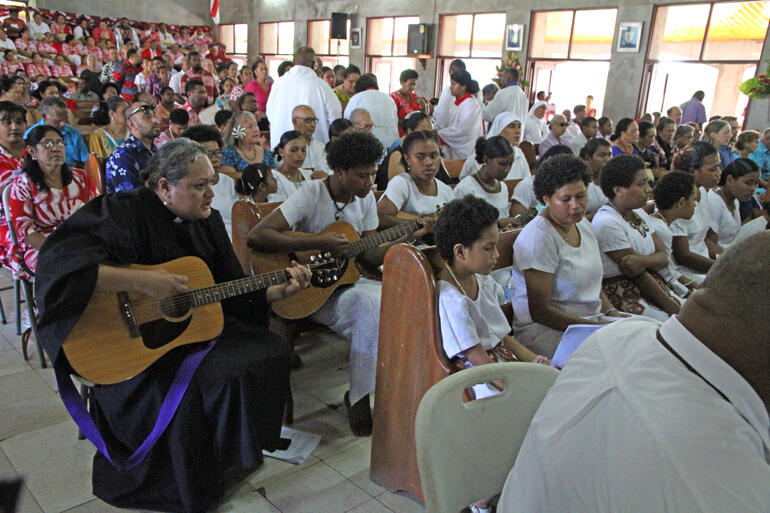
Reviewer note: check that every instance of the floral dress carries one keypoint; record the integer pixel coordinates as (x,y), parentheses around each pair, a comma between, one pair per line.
(231,157)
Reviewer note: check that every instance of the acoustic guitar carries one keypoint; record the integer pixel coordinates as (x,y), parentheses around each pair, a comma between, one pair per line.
(121,334)
(309,301)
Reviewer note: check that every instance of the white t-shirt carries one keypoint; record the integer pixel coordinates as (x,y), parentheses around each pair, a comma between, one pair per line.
(36,30)
(663,231)
(224,199)
(175,82)
(316,156)
(627,428)
(615,233)
(7,44)
(695,228)
(519,168)
(524,192)
(725,224)
(405,195)
(596,198)
(311,209)
(499,200)
(465,322)
(286,187)
(577,271)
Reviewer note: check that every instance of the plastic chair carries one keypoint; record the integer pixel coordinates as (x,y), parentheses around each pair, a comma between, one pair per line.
(26,285)
(465,450)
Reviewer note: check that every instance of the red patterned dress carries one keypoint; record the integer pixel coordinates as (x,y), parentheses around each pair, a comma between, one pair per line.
(41,211)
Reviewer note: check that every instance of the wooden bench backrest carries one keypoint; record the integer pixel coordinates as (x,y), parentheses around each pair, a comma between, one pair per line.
(528,149)
(95,170)
(505,248)
(511,184)
(245,216)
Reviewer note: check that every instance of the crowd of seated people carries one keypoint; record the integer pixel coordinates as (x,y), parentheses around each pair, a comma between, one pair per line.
(628,216)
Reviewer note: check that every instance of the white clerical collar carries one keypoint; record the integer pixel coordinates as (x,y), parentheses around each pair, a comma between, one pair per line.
(723,377)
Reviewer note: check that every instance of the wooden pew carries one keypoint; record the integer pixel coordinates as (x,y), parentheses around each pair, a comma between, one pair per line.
(511,184)
(410,358)
(246,215)
(95,169)
(529,151)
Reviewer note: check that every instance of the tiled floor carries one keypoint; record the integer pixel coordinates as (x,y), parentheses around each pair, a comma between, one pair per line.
(39,442)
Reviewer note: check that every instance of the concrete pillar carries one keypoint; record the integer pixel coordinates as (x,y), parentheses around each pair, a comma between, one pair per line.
(758,112)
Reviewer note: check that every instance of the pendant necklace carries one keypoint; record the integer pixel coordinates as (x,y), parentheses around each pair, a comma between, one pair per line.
(339,214)
(484,186)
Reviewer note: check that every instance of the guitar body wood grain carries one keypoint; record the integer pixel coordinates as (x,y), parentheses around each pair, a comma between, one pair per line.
(100,347)
(308,301)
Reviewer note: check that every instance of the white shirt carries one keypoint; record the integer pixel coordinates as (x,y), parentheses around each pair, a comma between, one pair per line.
(519,167)
(615,233)
(311,209)
(287,187)
(166,39)
(78,33)
(577,271)
(139,81)
(224,199)
(576,143)
(301,86)
(315,157)
(627,428)
(725,224)
(508,99)
(524,192)
(535,130)
(175,83)
(663,231)
(444,108)
(384,114)
(573,130)
(37,30)
(404,194)
(7,44)
(499,200)
(695,228)
(462,130)
(596,198)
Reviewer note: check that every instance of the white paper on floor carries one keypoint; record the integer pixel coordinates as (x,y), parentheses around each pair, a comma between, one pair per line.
(301,447)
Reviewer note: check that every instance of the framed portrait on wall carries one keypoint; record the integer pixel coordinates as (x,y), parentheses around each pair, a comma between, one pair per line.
(355,38)
(514,37)
(629,36)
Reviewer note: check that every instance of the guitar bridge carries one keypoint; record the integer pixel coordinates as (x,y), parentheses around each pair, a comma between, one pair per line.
(127,314)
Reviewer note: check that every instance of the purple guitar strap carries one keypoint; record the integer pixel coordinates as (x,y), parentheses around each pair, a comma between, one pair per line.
(77,410)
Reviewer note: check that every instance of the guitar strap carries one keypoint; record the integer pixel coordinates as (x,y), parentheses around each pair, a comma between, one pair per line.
(77,410)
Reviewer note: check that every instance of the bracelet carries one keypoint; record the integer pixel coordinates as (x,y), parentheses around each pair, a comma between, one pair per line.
(611,310)
(539,359)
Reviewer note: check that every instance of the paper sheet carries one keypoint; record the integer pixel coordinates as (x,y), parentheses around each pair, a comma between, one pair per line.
(755,226)
(301,447)
(571,340)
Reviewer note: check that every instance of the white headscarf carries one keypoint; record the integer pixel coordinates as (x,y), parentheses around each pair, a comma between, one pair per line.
(501,121)
(540,123)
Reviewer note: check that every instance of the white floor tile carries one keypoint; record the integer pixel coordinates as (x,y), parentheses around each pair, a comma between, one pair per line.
(274,469)
(353,463)
(99,506)
(334,430)
(27,503)
(55,464)
(370,506)
(400,503)
(11,360)
(316,489)
(249,503)
(29,404)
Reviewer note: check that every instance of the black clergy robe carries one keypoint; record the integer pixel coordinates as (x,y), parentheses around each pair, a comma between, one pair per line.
(234,404)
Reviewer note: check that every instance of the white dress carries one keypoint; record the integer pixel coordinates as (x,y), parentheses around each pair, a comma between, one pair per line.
(384,113)
(286,187)
(508,99)
(462,129)
(669,273)
(524,192)
(301,86)
(615,233)
(224,199)
(404,194)
(519,167)
(577,279)
(351,312)
(535,130)
(466,323)
(695,229)
(499,200)
(727,225)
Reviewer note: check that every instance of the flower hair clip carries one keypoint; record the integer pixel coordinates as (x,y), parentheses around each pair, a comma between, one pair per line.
(239,132)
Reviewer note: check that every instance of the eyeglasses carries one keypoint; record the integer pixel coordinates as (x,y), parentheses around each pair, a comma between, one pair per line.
(214,154)
(308,120)
(50,143)
(145,109)
(562,124)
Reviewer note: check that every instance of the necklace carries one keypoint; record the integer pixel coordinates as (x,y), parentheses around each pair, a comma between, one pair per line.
(636,222)
(452,274)
(563,234)
(339,214)
(249,157)
(488,188)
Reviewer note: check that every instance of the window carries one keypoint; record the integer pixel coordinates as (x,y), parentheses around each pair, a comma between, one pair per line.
(386,49)
(714,45)
(569,53)
(235,38)
(477,39)
(330,51)
(276,44)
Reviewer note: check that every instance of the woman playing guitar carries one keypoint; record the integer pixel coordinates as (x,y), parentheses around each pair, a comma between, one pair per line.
(352,312)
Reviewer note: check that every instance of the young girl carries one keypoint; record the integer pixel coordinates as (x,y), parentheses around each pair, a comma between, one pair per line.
(290,154)
(737,184)
(473,327)
(256,184)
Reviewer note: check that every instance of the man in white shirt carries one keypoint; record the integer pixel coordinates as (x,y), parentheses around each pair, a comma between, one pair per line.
(304,121)
(668,417)
(588,130)
(380,107)
(573,130)
(37,27)
(176,79)
(5,42)
(301,86)
(508,99)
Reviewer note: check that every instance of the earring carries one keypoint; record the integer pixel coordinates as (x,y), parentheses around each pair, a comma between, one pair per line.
(165,203)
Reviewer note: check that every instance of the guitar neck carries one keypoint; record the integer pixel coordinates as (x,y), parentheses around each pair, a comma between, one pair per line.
(372,241)
(526,216)
(221,291)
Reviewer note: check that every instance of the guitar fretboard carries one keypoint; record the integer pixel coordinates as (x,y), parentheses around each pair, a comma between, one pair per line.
(215,293)
(372,241)
(527,216)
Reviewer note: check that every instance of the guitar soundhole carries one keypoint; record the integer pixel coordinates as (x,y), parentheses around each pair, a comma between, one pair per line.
(327,277)
(176,306)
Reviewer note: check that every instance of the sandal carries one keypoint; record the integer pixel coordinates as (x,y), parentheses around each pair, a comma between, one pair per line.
(359,416)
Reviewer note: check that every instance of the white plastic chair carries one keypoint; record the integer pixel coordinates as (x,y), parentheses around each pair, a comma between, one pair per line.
(465,450)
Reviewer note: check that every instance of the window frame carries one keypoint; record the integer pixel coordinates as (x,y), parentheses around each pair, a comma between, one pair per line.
(243,56)
(330,56)
(571,35)
(277,37)
(392,36)
(441,18)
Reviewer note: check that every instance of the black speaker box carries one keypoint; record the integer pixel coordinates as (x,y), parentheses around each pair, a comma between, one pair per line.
(339,25)
(418,39)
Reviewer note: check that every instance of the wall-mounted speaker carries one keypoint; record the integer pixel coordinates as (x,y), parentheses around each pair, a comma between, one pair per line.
(418,39)
(339,26)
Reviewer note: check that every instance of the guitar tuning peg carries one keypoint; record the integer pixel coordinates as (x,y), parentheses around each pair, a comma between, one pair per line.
(312,259)
(327,255)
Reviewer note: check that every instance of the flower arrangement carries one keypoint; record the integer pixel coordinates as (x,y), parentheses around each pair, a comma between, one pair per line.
(757,87)
(511,60)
